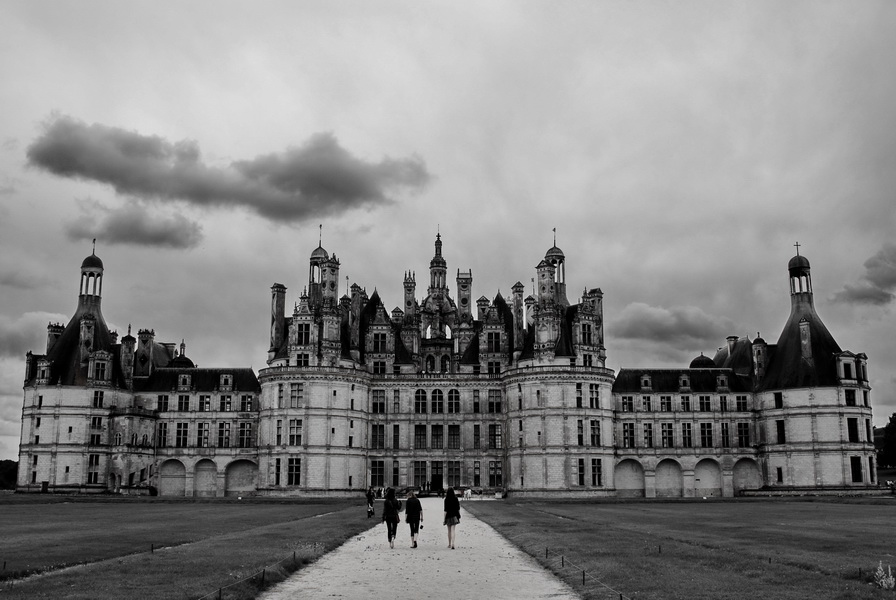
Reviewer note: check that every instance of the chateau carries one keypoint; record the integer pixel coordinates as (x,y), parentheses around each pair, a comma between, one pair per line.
(512,394)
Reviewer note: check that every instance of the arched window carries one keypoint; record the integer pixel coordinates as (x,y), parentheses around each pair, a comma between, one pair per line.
(420,401)
(134,439)
(430,363)
(438,402)
(447,332)
(118,439)
(145,441)
(446,363)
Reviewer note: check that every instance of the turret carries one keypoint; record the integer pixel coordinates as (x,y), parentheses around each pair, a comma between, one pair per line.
(54,330)
(329,280)
(278,315)
(438,270)
(144,356)
(410,300)
(519,316)
(126,357)
(760,358)
(546,285)
(464,294)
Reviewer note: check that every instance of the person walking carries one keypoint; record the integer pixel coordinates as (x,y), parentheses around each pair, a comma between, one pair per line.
(370,499)
(391,506)
(413,515)
(452,514)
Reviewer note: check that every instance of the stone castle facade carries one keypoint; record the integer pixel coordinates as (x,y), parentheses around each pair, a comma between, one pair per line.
(512,394)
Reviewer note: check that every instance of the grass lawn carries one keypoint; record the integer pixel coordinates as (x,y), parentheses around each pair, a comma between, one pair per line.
(747,548)
(199,546)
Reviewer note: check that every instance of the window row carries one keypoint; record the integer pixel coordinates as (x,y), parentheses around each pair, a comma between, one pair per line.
(183,435)
(431,474)
(683,436)
(203,403)
(703,403)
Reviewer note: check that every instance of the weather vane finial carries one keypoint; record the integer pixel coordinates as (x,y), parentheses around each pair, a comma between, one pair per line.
(797,248)
(94,246)
(555,236)
(320,235)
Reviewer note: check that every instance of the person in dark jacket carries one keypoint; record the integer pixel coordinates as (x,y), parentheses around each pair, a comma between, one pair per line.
(370,499)
(391,506)
(413,515)
(452,515)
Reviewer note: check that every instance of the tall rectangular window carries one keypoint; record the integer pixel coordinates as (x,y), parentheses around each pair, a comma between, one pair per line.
(579,400)
(453,402)
(98,399)
(593,395)
(628,435)
(495,473)
(377,436)
(303,359)
(494,401)
(628,403)
(687,440)
(586,334)
(475,401)
(852,429)
(295,432)
(162,403)
(303,334)
(245,403)
(580,432)
(741,403)
(296,390)
(277,467)
(855,464)
(648,435)
(706,435)
(779,399)
(396,437)
(850,397)
(223,435)
(454,437)
(438,402)
(726,435)
(420,437)
(202,430)
(494,436)
(666,403)
(293,471)
(595,433)
(280,403)
(183,402)
(377,473)
(279,439)
(162,435)
(782,436)
(596,472)
(705,403)
(494,367)
(743,435)
(379,343)
(378,402)
(685,403)
(395,472)
(493,341)
(723,403)
(420,402)
(477,435)
(419,472)
(581,471)
(453,473)
(205,403)
(224,403)
(180,435)
(245,435)
(667,435)
(477,476)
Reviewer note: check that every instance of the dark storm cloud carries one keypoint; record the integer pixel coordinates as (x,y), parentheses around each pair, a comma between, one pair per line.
(318,178)
(26,333)
(133,224)
(683,326)
(877,284)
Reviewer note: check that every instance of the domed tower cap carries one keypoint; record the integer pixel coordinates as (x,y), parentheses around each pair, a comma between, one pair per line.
(554,254)
(702,362)
(798,262)
(319,254)
(92,262)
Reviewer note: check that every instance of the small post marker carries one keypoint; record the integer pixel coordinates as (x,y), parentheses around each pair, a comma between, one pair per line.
(562,561)
(583,577)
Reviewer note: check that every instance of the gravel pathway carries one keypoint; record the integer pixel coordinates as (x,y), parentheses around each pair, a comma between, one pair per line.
(483,566)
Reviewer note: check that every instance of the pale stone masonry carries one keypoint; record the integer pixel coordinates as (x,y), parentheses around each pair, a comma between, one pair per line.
(512,394)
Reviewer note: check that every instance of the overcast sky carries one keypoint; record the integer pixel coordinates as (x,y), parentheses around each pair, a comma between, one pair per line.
(680,149)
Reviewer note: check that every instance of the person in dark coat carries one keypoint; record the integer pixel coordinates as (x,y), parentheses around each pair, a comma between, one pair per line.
(452,515)
(391,506)
(413,515)
(370,498)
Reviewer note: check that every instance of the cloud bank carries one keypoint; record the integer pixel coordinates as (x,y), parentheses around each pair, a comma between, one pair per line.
(681,326)
(134,224)
(28,332)
(318,178)
(878,283)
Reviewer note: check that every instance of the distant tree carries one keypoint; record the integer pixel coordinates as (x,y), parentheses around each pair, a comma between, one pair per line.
(887,455)
(8,470)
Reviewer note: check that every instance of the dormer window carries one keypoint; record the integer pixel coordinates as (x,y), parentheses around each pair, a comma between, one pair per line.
(684,381)
(722,381)
(646,382)
(847,371)
(226,382)
(183,381)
